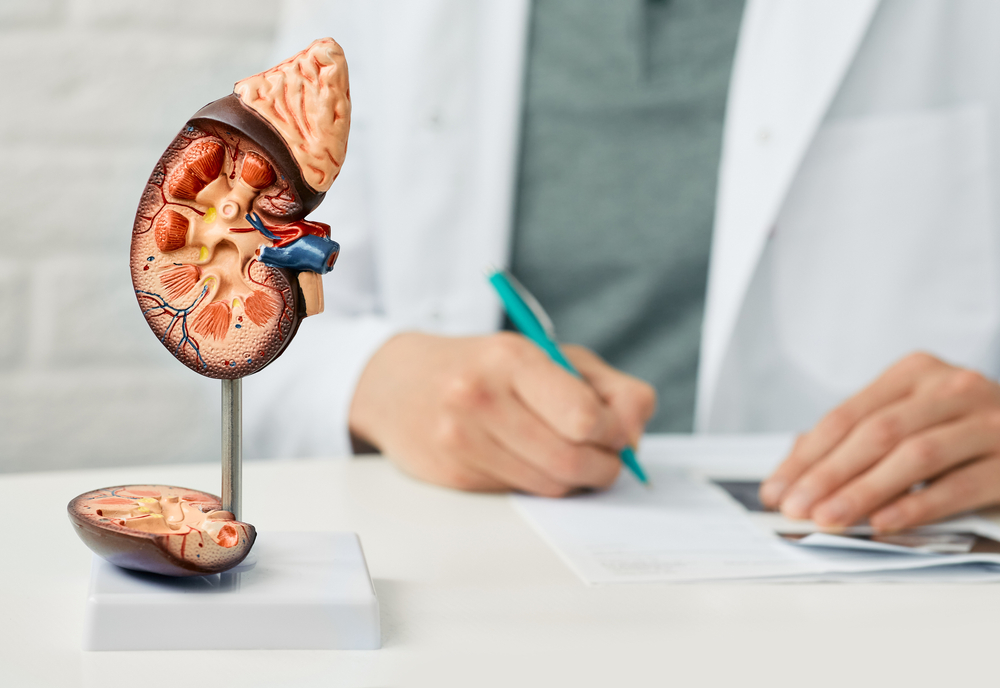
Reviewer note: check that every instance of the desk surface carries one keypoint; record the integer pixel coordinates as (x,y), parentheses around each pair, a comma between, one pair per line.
(470,596)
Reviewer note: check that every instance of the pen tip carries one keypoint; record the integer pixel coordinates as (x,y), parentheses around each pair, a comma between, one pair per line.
(629,459)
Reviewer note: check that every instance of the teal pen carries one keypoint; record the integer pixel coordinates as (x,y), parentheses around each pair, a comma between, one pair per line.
(528,317)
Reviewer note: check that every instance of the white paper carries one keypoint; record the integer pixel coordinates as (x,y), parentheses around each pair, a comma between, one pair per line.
(681,529)
(685,529)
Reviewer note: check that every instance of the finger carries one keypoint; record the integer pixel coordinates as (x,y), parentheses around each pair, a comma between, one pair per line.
(567,404)
(969,487)
(894,384)
(502,465)
(467,458)
(461,477)
(632,399)
(565,464)
(870,441)
(449,471)
(922,457)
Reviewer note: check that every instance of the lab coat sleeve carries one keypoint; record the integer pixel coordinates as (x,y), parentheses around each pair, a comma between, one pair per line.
(420,207)
(299,405)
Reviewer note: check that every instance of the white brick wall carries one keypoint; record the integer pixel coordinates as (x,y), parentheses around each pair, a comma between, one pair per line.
(93,91)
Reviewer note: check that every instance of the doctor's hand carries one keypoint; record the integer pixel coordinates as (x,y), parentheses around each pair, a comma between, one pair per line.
(920,443)
(495,413)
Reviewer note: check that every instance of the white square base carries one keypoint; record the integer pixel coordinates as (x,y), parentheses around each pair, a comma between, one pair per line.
(296,591)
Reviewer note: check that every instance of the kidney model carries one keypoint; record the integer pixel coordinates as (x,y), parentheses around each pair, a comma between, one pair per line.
(225,266)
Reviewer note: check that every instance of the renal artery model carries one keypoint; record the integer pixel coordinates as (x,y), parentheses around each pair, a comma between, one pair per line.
(223,262)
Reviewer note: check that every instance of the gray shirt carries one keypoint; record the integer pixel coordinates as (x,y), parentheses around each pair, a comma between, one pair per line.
(622,133)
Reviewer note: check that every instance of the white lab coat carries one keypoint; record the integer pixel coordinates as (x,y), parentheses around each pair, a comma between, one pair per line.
(854,221)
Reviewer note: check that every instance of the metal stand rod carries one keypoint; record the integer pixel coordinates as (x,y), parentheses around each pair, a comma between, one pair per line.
(232,446)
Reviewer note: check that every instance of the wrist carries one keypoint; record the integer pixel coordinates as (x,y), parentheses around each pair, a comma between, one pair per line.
(373,395)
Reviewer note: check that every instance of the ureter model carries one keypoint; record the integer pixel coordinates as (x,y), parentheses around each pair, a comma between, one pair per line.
(225,266)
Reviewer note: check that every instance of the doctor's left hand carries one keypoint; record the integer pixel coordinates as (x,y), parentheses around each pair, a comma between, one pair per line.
(920,443)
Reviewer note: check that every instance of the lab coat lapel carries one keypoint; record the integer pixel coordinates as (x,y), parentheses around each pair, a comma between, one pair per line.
(446,151)
(790,61)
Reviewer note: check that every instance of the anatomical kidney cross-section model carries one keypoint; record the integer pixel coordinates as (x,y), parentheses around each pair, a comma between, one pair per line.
(169,530)
(225,266)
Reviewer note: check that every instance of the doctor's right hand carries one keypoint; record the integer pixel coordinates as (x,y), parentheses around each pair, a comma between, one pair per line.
(495,413)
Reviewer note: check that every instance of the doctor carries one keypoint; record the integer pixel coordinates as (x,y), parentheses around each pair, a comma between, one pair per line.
(854,224)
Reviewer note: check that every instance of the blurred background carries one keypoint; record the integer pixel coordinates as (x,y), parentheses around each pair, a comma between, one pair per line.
(94,90)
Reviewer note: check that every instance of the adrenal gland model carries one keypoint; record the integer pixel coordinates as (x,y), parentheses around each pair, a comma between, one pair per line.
(225,266)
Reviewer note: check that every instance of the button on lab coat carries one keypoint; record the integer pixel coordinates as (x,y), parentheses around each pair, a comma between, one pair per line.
(854,217)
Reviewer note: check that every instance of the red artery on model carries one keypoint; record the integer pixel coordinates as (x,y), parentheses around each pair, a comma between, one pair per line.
(291,232)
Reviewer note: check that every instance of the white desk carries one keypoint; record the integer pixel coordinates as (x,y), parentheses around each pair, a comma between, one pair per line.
(470,596)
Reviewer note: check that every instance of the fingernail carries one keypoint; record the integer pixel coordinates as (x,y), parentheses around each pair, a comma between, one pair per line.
(889,519)
(771,490)
(796,505)
(832,513)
